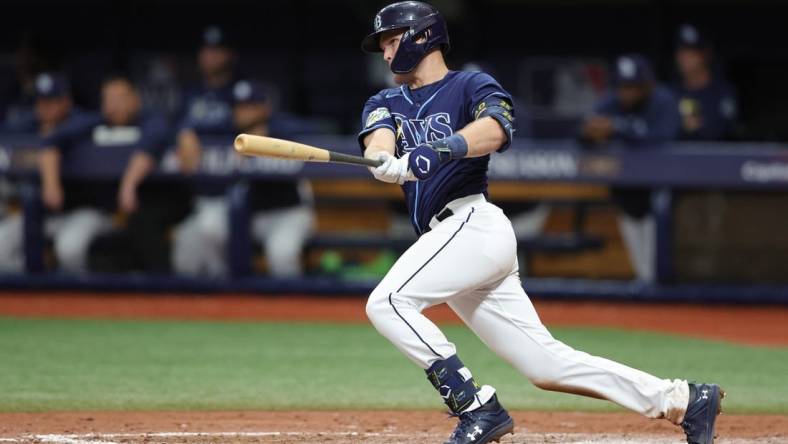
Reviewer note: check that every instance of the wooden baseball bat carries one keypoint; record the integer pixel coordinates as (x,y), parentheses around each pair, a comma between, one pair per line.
(251,145)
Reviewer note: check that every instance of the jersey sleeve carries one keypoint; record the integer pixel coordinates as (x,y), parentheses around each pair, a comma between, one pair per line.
(72,130)
(376,115)
(155,136)
(485,94)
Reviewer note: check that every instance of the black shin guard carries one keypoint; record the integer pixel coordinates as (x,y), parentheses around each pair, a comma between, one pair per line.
(454,382)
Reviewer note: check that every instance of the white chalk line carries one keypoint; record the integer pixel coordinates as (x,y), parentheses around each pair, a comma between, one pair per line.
(573,438)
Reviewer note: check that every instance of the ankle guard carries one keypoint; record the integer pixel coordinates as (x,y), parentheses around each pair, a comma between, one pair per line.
(454,382)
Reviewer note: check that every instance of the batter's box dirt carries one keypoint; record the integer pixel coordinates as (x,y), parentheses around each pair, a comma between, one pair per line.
(355,427)
(350,438)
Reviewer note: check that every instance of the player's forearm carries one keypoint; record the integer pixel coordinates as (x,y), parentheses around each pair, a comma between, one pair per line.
(49,166)
(379,141)
(373,151)
(483,136)
(140,165)
(189,150)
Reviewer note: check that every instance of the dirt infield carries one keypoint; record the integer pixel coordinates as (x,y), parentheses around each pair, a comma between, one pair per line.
(743,324)
(357,427)
(751,325)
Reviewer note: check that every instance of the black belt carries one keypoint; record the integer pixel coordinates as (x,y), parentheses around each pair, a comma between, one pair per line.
(445,214)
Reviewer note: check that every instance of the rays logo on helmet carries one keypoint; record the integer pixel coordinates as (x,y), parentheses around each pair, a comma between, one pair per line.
(377,115)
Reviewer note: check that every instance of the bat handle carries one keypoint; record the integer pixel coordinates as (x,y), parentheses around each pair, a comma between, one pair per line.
(354,160)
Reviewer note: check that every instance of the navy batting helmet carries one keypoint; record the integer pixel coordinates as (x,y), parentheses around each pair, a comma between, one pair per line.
(418,20)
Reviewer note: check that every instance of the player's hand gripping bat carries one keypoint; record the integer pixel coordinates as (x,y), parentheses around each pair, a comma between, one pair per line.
(284,149)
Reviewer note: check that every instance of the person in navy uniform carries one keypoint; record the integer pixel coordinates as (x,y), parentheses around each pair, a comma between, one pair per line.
(281,210)
(639,114)
(208,112)
(80,210)
(434,135)
(208,107)
(53,107)
(707,102)
(52,104)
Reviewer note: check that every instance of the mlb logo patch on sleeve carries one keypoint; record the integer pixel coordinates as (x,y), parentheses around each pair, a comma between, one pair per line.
(377,115)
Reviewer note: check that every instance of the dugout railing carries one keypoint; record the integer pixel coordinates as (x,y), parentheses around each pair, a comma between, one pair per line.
(729,166)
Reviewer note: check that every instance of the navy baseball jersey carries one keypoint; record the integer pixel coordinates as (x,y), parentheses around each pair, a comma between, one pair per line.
(656,121)
(90,131)
(708,113)
(86,130)
(428,114)
(209,111)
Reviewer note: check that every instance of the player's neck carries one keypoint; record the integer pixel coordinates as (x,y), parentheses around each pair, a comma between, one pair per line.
(431,69)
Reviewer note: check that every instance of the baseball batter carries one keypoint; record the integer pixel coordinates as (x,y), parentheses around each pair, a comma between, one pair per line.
(435,134)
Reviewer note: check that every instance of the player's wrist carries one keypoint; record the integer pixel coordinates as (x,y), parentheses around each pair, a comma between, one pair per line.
(451,148)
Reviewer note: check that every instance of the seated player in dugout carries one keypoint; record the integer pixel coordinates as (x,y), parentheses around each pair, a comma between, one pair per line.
(435,134)
(282,214)
(79,210)
(53,107)
(638,114)
(707,102)
(208,106)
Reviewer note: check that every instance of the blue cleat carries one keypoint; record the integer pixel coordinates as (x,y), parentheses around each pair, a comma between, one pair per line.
(487,423)
(704,406)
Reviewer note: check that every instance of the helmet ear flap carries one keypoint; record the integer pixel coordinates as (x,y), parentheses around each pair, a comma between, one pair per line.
(423,37)
(423,29)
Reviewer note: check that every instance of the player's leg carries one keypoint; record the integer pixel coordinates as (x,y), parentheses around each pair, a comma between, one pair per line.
(12,257)
(199,241)
(504,318)
(187,248)
(638,230)
(283,234)
(439,265)
(456,255)
(73,235)
(639,236)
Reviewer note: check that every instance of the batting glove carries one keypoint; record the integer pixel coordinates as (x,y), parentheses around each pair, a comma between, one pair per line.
(392,170)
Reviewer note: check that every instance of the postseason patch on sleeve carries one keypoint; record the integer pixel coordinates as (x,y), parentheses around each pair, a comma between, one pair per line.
(377,115)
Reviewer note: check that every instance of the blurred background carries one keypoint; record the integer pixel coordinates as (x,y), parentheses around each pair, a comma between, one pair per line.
(649,162)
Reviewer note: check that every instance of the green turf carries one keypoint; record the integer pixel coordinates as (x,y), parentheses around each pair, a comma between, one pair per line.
(100,365)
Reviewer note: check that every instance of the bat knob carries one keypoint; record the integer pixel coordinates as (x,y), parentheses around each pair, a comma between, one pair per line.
(240,143)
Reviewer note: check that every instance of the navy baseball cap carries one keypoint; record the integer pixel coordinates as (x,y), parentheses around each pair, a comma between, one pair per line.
(215,36)
(246,91)
(689,36)
(632,69)
(51,85)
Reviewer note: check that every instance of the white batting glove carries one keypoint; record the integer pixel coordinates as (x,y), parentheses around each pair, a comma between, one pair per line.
(392,170)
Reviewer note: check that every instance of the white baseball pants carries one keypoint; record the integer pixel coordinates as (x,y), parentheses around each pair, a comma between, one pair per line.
(469,261)
(200,241)
(72,233)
